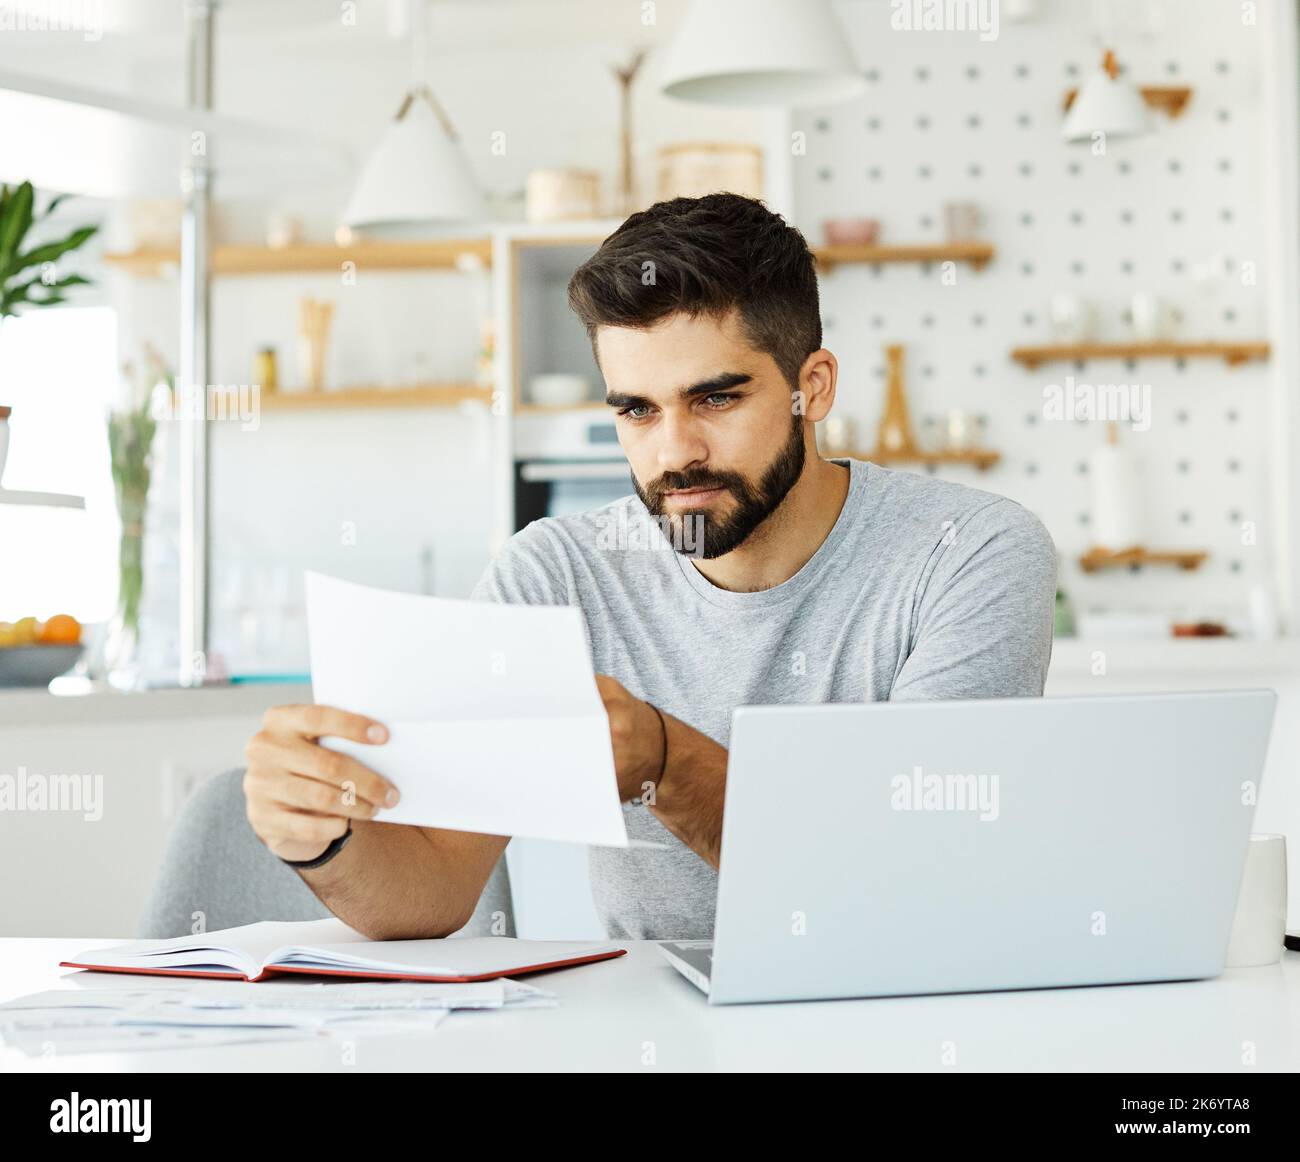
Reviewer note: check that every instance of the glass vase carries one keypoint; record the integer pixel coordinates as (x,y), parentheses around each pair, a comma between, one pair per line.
(121,653)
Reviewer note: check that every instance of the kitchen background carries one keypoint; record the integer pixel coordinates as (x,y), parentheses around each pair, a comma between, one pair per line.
(1183,234)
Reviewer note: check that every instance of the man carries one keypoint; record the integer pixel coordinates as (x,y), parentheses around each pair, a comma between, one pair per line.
(771,575)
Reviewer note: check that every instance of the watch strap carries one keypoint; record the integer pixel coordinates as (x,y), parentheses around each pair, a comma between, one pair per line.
(336,845)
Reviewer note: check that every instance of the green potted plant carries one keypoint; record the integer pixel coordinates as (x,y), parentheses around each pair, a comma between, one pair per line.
(28,274)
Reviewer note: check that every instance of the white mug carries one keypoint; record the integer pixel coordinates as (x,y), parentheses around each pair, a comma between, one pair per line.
(1073,320)
(962,220)
(1150,317)
(1259,926)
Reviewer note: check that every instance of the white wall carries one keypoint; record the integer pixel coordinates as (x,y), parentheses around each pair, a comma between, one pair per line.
(948,117)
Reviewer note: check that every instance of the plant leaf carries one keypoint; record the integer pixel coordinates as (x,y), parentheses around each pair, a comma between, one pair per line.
(15,224)
(12,297)
(17,292)
(20,292)
(54,204)
(52,250)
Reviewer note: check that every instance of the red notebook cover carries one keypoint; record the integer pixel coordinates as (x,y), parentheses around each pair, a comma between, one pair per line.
(355,974)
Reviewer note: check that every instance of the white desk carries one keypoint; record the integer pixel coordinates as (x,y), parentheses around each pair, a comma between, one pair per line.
(619,1015)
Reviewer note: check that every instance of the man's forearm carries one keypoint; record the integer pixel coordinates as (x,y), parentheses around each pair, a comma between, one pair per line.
(398,882)
(689,797)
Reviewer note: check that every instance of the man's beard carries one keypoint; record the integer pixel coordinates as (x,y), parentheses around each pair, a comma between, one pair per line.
(755,503)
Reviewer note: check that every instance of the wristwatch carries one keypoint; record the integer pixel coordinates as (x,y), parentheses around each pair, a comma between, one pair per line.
(336,845)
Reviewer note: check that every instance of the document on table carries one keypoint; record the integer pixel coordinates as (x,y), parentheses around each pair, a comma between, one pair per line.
(68,1021)
(495,723)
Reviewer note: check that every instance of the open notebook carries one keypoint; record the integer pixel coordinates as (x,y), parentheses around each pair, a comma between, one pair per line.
(331,948)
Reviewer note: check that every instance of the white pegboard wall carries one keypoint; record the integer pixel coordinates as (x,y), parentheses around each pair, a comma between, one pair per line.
(948,117)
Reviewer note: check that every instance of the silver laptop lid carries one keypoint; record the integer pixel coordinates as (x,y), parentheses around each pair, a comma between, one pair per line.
(898,848)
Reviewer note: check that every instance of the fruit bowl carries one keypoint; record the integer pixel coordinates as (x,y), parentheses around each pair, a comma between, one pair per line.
(36,665)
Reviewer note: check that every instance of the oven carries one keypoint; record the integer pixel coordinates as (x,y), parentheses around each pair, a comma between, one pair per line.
(566,462)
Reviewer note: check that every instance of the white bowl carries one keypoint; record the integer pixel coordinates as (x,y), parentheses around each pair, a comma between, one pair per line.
(559,389)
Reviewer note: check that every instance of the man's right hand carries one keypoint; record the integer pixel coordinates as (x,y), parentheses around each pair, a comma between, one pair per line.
(299,794)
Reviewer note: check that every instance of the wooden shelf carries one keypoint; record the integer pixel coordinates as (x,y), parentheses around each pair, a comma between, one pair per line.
(978,254)
(425,395)
(1231,353)
(594,405)
(1095,559)
(980,458)
(437,254)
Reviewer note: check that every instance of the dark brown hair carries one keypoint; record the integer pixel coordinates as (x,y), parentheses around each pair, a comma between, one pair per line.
(709,255)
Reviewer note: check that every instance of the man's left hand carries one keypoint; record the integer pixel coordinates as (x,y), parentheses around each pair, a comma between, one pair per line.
(637,738)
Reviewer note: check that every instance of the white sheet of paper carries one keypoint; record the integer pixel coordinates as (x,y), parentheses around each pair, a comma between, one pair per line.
(495,723)
(134,1038)
(367,996)
(78,999)
(381,1024)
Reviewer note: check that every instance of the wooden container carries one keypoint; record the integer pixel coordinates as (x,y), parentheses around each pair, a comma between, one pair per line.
(562,195)
(693,169)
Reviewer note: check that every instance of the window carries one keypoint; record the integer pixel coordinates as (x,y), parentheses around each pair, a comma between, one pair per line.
(59,373)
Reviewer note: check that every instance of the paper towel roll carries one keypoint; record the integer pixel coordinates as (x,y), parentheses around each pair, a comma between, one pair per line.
(1117,497)
(1259,926)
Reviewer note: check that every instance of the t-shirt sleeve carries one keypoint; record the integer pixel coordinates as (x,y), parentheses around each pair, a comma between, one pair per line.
(532,569)
(527,571)
(982,627)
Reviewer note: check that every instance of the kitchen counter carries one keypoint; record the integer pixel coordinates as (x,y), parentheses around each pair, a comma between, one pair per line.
(35,708)
(1182,658)
(1184,662)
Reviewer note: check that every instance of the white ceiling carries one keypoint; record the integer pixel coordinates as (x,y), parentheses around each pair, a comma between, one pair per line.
(153,27)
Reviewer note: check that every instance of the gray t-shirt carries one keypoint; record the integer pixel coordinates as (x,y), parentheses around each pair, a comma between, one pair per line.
(923,589)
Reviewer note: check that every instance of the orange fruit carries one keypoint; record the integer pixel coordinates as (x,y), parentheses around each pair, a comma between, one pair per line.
(61,630)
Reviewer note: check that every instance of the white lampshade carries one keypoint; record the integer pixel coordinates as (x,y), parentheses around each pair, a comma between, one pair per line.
(761,52)
(1109,104)
(417,176)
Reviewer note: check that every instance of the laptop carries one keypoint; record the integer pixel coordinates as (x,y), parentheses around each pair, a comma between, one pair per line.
(892,849)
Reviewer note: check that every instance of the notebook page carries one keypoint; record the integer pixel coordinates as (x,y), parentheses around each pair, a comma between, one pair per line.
(468,956)
(243,949)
